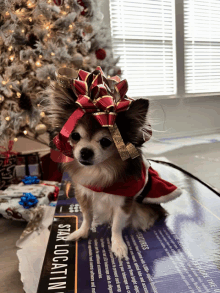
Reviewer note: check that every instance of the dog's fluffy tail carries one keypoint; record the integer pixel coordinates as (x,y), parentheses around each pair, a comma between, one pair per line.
(144,215)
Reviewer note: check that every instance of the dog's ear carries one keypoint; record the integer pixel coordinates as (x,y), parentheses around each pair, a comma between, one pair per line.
(59,104)
(131,122)
(137,113)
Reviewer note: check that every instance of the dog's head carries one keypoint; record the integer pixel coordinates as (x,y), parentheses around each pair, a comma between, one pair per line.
(93,144)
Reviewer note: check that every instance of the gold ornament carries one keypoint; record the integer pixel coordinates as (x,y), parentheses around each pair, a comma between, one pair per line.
(41,128)
(65,76)
(77,60)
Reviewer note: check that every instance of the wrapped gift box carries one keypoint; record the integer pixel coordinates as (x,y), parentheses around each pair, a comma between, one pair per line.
(7,171)
(28,164)
(10,197)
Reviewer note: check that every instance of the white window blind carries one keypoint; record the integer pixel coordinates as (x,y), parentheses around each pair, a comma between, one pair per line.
(202,46)
(143,35)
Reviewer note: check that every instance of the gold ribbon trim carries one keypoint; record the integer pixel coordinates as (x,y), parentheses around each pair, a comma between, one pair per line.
(134,153)
(125,151)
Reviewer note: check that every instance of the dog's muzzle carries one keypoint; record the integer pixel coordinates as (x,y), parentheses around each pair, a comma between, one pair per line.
(86,156)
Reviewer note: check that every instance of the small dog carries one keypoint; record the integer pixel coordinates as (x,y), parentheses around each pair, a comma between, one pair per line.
(97,166)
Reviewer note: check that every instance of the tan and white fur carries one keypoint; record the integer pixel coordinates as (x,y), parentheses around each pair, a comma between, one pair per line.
(101,166)
(106,166)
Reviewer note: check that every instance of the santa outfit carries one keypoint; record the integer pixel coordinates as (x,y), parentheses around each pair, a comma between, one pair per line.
(150,188)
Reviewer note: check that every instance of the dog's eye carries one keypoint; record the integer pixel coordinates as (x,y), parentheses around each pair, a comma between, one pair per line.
(75,136)
(105,142)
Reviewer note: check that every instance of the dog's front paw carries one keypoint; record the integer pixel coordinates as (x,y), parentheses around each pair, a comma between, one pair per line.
(76,235)
(119,248)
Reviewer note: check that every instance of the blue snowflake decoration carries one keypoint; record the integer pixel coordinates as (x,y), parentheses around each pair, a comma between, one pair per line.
(28,200)
(30,180)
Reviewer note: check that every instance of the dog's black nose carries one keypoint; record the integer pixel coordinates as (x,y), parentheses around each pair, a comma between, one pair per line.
(86,153)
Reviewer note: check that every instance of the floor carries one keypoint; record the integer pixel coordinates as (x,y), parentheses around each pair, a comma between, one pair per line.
(10,232)
(202,160)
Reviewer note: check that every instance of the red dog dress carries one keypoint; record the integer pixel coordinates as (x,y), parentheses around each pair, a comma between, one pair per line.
(150,188)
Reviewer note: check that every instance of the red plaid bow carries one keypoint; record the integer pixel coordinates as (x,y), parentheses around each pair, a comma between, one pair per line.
(8,152)
(92,91)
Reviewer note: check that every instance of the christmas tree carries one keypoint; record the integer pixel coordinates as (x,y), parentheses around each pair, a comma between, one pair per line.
(36,38)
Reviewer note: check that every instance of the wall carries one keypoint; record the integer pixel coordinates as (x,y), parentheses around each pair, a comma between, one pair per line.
(186,116)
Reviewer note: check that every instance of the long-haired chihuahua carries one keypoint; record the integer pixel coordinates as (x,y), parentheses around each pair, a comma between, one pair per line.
(107,188)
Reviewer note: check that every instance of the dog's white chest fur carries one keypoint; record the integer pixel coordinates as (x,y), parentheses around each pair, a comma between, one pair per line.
(103,205)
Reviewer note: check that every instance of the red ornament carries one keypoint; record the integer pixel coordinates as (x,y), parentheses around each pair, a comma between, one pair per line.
(118,72)
(58,2)
(100,54)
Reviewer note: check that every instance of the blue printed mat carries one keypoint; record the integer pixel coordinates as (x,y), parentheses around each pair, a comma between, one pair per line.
(180,254)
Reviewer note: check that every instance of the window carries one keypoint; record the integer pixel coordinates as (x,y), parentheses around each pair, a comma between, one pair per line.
(143,35)
(202,46)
